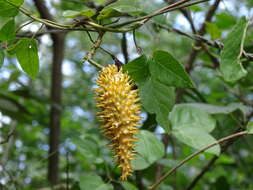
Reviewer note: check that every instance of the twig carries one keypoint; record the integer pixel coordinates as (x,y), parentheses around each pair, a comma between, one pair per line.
(138,48)
(10,134)
(152,187)
(23,25)
(92,51)
(196,37)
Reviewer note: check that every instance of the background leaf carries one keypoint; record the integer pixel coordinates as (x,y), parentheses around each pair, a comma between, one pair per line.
(27,55)
(128,186)
(250,127)
(149,149)
(16,2)
(8,10)
(1,57)
(7,32)
(187,116)
(214,109)
(213,30)
(93,181)
(230,66)
(192,126)
(73,14)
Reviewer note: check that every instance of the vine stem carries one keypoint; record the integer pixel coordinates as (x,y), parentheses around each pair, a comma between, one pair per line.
(115,28)
(159,181)
(92,51)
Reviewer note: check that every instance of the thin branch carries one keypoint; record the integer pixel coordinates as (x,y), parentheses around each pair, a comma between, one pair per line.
(197,37)
(10,134)
(116,28)
(93,50)
(152,187)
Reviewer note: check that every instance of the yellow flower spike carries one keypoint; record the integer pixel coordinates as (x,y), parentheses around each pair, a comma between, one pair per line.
(119,113)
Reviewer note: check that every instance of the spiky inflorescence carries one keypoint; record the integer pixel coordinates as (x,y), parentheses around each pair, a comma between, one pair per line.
(119,113)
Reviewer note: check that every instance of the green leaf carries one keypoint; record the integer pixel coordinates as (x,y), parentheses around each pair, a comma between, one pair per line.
(16,2)
(221,183)
(27,55)
(128,186)
(192,126)
(109,13)
(88,147)
(93,181)
(8,9)
(213,109)
(138,69)
(158,98)
(230,66)
(213,30)
(224,20)
(168,70)
(250,127)
(7,32)
(1,57)
(72,14)
(187,116)
(149,149)
(131,7)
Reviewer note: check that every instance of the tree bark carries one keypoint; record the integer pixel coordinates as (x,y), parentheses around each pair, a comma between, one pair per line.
(55,96)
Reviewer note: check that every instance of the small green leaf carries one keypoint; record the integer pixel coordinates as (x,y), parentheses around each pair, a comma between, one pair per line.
(1,57)
(7,32)
(73,14)
(168,70)
(230,66)
(27,55)
(149,149)
(213,30)
(8,9)
(109,13)
(137,69)
(250,127)
(192,126)
(93,181)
